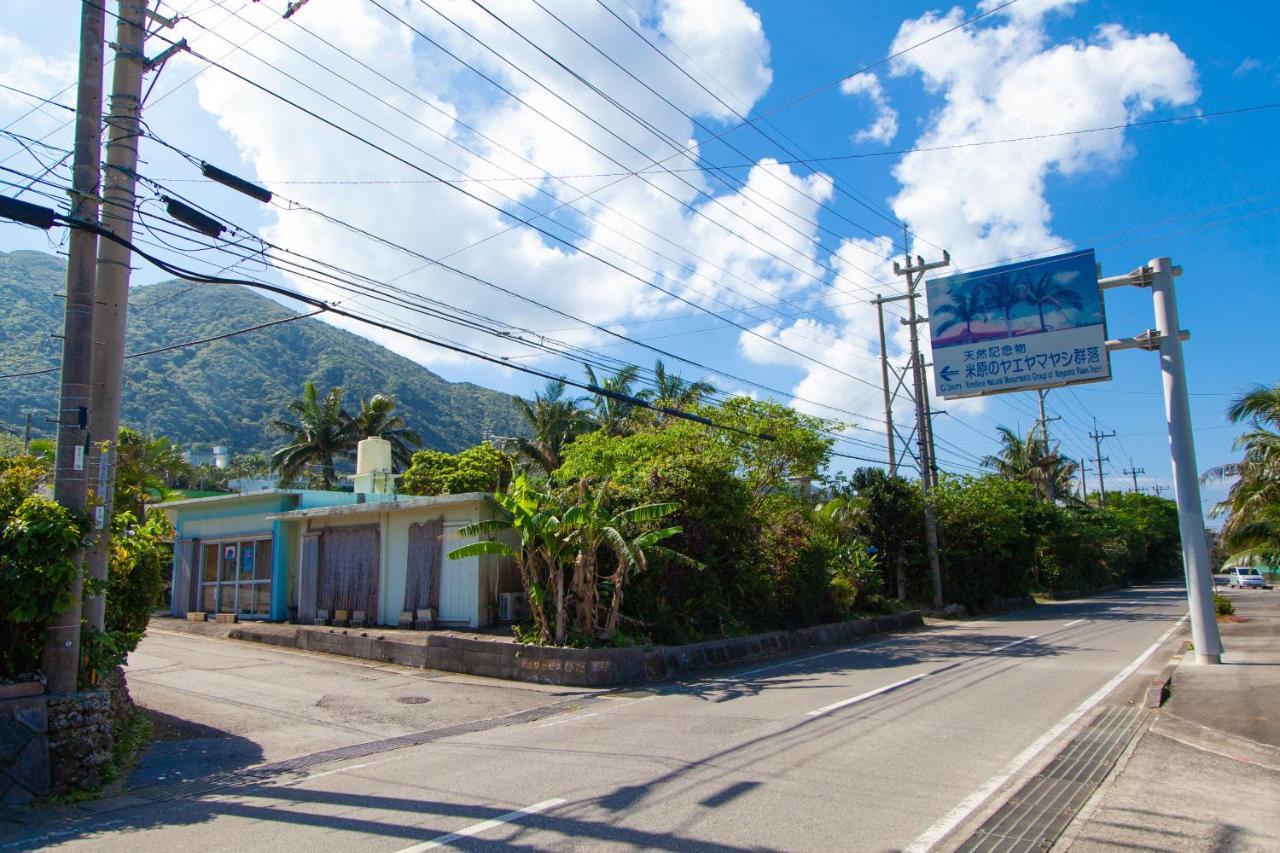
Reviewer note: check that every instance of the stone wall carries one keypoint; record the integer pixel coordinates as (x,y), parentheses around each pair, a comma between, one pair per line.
(24,744)
(82,730)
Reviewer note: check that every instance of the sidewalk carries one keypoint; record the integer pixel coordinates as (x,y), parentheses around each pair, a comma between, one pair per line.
(1206,774)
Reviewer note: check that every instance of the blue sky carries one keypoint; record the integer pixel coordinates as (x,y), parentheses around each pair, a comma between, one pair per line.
(789,252)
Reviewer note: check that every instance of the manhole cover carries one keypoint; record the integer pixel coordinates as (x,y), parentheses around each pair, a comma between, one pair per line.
(413,700)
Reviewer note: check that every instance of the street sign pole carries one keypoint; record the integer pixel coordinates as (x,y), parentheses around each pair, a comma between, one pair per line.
(1186,482)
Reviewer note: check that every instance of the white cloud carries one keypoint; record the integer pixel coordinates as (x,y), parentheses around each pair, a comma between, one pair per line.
(32,71)
(436,220)
(997,79)
(885,126)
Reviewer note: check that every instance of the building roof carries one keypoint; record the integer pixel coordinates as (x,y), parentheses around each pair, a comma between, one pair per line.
(234,496)
(395,505)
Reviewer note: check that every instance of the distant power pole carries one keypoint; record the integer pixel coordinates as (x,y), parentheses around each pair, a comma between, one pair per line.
(26,436)
(1135,472)
(1084,479)
(1099,458)
(888,395)
(111,311)
(61,658)
(1159,489)
(914,274)
(1044,435)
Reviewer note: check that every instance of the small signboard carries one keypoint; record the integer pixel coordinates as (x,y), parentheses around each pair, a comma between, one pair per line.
(1033,324)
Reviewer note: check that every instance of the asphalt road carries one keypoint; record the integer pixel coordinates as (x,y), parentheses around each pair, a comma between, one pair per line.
(881,746)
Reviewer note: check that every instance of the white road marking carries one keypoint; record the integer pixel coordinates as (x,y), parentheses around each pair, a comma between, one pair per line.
(957,815)
(1011,645)
(844,703)
(568,718)
(840,651)
(483,826)
(1074,622)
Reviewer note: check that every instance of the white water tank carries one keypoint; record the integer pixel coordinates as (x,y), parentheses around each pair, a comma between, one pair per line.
(373,456)
(373,467)
(221,456)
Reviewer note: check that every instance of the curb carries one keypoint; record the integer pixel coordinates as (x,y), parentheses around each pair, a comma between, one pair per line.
(576,667)
(1158,690)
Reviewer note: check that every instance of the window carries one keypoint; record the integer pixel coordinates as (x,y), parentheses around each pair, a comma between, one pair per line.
(235,577)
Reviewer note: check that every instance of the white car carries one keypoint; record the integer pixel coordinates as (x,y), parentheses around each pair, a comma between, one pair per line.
(1244,577)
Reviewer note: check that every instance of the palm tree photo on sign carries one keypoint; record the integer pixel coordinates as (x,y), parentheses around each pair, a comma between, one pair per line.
(966,307)
(1047,292)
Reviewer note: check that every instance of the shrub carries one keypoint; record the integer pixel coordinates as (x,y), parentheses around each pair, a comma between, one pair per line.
(37,571)
(1223,606)
(477,469)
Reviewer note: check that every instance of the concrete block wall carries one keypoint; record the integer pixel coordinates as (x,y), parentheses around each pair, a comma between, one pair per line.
(24,748)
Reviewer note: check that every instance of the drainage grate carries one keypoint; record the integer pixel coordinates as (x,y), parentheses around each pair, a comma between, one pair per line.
(1041,809)
(294,766)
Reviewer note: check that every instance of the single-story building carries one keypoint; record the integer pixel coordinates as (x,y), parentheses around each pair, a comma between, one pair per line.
(295,554)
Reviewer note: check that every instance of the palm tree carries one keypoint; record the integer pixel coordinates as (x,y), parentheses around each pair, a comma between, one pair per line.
(1031,460)
(966,306)
(1000,293)
(376,419)
(613,412)
(1047,292)
(1252,506)
(671,391)
(554,420)
(145,466)
(319,433)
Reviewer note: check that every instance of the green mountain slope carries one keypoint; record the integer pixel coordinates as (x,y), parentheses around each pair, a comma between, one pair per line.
(224,392)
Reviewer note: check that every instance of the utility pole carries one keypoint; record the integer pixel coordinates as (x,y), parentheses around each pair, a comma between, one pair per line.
(1084,480)
(888,396)
(111,311)
(1044,435)
(1186,481)
(1097,446)
(1159,489)
(61,658)
(26,436)
(914,274)
(1135,472)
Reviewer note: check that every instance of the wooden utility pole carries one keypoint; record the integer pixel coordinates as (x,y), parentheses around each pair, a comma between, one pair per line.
(112,309)
(61,658)
(1099,458)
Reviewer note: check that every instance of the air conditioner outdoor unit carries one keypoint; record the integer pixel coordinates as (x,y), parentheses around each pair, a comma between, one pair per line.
(512,607)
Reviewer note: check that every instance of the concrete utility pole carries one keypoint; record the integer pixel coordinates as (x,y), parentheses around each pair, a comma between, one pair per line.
(914,274)
(1084,479)
(1135,472)
(888,396)
(1186,482)
(26,436)
(61,657)
(111,311)
(1099,458)
(1044,435)
(1159,489)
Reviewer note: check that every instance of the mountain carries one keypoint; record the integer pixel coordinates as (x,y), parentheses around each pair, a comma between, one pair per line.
(227,391)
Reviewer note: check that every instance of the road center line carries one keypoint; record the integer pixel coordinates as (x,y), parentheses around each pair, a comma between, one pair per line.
(568,718)
(1011,645)
(483,826)
(957,815)
(844,703)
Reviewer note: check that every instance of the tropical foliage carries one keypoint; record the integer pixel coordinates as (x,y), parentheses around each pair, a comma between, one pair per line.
(482,468)
(1031,459)
(320,433)
(1251,531)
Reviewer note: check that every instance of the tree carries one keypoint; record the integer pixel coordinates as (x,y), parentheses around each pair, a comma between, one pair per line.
(318,434)
(1031,460)
(1045,292)
(612,412)
(1000,293)
(482,468)
(145,467)
(966,306)
(1251,532)
(376,419)
(554,420)
(670,391)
